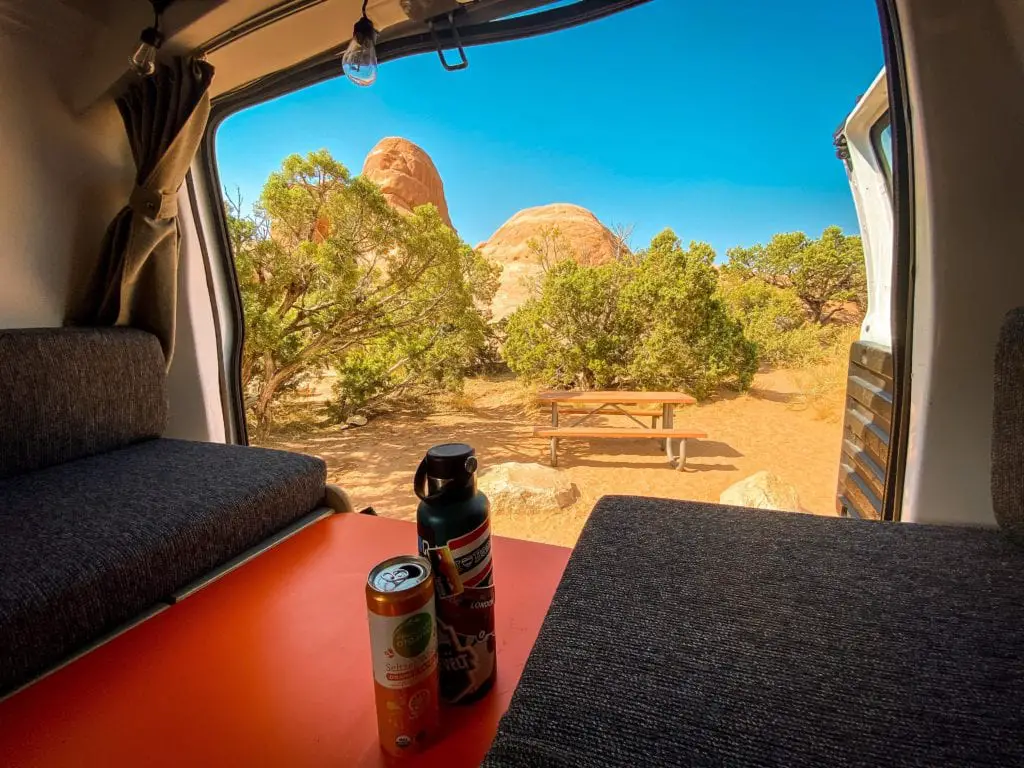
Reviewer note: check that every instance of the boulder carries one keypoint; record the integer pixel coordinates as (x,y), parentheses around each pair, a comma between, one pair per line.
(406,175)
(356,421)
(517,487)
(762,490)
(582,238)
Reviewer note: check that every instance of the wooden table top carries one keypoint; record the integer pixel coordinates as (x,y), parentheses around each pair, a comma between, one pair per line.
(269,666)
(617,397)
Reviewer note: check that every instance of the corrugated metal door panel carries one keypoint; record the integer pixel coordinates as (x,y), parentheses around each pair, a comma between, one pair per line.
(867,427)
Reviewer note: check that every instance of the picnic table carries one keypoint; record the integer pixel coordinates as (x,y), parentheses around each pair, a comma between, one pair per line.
(632,405)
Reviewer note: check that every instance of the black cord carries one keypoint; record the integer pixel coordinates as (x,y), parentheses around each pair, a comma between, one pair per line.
(364,6)
(159,6)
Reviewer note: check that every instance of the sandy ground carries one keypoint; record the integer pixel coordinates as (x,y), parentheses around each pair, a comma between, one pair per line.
(776,426)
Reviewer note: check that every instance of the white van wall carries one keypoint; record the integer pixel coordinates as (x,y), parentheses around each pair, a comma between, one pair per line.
(66,170)
(63,174)
(194,382)
(966,95)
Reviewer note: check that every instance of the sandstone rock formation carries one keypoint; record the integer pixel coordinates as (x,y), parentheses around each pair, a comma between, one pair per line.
(762,490)
(582,237)
(517,488)
(406,175)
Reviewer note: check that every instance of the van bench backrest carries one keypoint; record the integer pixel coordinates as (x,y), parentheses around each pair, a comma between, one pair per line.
(67,393)
(1008,427)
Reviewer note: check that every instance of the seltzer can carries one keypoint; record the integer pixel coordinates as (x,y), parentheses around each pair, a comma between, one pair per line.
(403,646)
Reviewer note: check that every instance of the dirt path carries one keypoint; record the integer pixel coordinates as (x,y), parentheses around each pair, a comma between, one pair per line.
(771,427)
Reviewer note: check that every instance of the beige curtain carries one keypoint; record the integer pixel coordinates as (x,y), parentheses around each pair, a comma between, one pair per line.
(136,279)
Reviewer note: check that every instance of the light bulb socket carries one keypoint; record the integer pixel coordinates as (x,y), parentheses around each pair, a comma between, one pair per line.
(364,32)
(151,36)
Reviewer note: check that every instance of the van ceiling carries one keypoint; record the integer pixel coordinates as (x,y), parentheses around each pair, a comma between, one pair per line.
(99,10)
(245,47)
(320,25)
(189,24)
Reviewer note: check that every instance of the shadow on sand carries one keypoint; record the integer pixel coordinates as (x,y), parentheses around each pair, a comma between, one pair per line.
(376,463)
(577,453)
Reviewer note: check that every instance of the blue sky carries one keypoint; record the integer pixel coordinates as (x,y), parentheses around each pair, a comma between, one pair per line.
(712,118)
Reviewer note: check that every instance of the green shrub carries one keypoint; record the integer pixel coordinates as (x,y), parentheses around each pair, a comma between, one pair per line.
(824,274)
(571,335)
(654,322)
(776,321)
(331,276)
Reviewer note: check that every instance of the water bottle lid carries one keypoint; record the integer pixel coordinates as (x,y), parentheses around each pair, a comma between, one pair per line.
(451,461)
(450,465)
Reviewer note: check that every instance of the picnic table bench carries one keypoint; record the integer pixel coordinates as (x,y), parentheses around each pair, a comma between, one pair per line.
(618,403)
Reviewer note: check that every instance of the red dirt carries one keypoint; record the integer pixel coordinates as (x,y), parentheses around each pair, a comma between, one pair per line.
(774,427)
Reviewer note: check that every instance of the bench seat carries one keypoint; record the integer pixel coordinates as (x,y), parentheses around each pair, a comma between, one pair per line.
(697,634)
(89,544)
(101,519)
(617,433)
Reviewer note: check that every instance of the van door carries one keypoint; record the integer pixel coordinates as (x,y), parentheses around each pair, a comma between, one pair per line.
(864,144)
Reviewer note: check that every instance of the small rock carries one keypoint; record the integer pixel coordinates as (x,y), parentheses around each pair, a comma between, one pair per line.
(516,487)
(762,490)
(356,421)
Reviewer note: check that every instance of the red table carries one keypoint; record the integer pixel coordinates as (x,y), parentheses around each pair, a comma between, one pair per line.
(268,666)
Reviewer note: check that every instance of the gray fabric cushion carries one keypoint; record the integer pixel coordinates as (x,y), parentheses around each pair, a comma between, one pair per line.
(693,634)
(66,393)
(89,544)
(1008,428)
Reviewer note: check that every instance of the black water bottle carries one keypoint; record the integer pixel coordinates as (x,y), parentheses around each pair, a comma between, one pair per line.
(453,521)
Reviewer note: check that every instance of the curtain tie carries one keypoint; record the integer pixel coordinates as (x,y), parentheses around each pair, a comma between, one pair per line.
(154,205)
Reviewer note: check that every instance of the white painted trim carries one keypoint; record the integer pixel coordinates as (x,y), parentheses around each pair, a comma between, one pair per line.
(220,297)
(194,379)
(873,200)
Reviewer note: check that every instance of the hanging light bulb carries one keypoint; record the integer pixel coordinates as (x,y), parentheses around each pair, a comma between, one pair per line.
(360,60)
(143,61)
